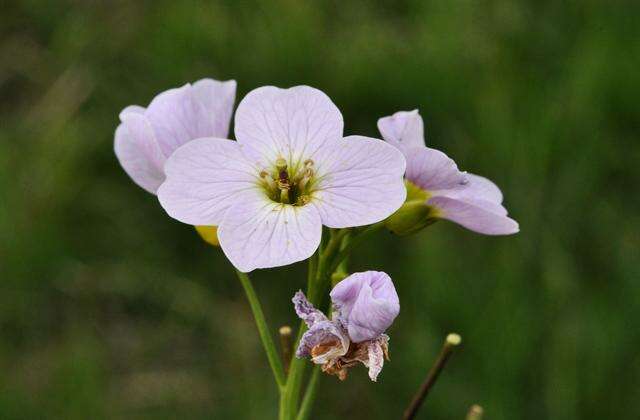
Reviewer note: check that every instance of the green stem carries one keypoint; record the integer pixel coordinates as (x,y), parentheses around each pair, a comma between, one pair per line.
(263,329)
(309,395)
(321,266)
(352,243)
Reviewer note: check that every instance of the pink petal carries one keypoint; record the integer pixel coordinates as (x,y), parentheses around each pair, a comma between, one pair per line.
(287,123)
(404,129)
(478,191)
(189,112)
(476,215)
(259,233)
(367,304)
(432,170)
(218,99)
(482,188)
(204,178)
(137,150)
(360,182)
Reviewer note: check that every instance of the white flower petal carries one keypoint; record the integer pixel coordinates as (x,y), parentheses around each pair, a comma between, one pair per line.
(360,182)
(478,216)
(288,123)
(137,150)
(259,233)
(404,129)
(189,112)
(218,99)
(432,170)
(204,178)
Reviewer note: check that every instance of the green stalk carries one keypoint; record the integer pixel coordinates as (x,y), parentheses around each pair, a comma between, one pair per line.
(263,330)
(309,395)
(353,242)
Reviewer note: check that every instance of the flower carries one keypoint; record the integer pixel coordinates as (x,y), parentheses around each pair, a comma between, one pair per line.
(437,189)
(289,172)
(367,304)
(364,306)
(146,137)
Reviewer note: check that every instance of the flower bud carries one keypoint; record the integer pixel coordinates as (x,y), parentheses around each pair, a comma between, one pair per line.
(412,217)
(366,304)
(209,234)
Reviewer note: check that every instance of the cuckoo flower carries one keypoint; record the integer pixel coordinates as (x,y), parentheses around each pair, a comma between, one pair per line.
(289,172)
(146,137)
(437,189)
(365,305)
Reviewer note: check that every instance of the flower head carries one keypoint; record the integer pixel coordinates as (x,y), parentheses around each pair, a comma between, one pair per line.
(146,137)
(437,189)
(365,305)
(289,172)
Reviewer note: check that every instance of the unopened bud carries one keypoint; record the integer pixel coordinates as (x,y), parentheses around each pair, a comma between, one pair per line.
(412,217)
(209,234)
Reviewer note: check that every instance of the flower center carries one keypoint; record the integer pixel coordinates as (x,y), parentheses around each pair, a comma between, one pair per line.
(289,184)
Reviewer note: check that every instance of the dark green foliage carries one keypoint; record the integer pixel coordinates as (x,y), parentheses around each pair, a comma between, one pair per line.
(110,309)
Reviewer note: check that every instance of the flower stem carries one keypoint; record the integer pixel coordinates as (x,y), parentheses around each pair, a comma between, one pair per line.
(309,395)
(450,343)
(285,346)
(352,243)
(263,330)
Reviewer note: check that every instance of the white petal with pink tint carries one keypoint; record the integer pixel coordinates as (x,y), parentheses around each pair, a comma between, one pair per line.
(475,216)
(360,182)
(259,233)
(137,150)
(217,98)
(204,178)
(404,129)
(432,170)
(147,136)
(287,123)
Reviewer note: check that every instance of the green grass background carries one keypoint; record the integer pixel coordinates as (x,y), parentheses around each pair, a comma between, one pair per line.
(110,309)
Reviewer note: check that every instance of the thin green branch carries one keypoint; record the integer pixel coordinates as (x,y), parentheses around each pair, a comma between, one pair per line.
(309,395)
(352,243)
(263,330)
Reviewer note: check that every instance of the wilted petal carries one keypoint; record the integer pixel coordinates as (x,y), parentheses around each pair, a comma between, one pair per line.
(204,178)
(404,129)
(259,233)
(324,342)
(287,123)
(377,352)
(137,150)
(306,311)
(360,182)
(477,215)
(432,170)
(367,304)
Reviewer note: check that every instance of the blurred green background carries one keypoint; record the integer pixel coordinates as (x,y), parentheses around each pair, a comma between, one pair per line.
(110,309)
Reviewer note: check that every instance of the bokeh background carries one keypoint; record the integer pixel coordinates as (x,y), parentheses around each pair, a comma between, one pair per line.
(110,309)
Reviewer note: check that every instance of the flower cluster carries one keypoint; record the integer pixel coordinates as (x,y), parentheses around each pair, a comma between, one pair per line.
(364,306)
(265,196)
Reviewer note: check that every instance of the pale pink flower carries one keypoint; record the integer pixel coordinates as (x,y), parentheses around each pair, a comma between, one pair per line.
(289,172)
(434,179)
(146,137)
